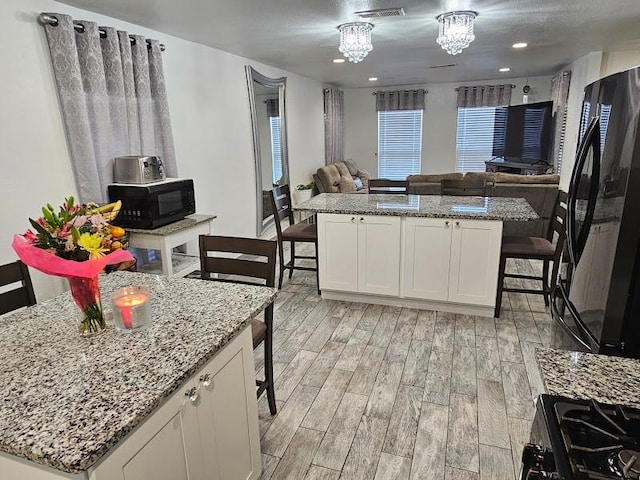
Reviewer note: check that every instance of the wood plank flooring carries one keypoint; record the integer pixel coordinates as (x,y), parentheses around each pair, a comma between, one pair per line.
(373,392)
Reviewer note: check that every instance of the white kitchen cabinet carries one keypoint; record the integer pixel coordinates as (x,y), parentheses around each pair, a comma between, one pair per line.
(451,260)
(359,253)
(208,429)
(427,244)
(475,256)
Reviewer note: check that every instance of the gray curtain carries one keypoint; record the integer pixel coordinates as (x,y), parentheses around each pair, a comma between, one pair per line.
(484,96)
(113,100)
(273,107)
(400,100)
(560,97)
(333,125)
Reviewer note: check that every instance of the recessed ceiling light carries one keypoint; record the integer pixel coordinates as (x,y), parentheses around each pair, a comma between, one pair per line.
(520,45)
(338,60)
(373,79)
(505,69)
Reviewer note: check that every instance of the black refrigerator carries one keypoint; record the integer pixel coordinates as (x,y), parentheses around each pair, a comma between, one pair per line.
(597,300)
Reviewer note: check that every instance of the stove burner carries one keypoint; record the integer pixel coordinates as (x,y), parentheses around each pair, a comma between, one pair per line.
(629,462)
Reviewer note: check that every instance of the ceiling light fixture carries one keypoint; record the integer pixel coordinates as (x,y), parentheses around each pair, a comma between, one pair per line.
(373,79)
(339,60)
(504,69)
(456,30)
(520,45)
(355,40)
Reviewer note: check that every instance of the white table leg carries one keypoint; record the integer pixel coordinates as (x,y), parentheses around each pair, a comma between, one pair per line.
(165,253)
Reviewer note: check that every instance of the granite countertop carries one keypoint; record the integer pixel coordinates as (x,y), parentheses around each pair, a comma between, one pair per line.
(584,376)
(433,206)
(67,400)
(186,222)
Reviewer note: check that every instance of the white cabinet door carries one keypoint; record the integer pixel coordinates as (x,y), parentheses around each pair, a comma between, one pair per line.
(338,252)
(379,254)
(475,258)
(427,244)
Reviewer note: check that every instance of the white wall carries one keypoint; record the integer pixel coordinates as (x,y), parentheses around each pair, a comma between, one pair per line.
(613,62)
(209,111)
(439,121)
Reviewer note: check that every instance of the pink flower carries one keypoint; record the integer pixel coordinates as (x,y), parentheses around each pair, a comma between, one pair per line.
(30,237)
(98,221)
(65,231)
(79,221)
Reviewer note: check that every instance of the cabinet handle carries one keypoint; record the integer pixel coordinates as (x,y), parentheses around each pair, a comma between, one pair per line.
(205,379)
(353,219)
(446,223)
(361,220)
(193,394)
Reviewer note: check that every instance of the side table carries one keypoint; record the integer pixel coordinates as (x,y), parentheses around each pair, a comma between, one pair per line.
(165,239)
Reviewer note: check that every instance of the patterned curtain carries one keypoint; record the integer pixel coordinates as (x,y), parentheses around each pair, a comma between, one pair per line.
(333,125)
(273,107)
(400,100)
(484,96)
(560,96)
(113,99)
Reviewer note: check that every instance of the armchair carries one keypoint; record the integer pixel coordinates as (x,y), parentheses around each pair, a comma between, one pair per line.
(341,177)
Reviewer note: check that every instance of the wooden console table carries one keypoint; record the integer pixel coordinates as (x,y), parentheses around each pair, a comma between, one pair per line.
(165,239)
(516,167)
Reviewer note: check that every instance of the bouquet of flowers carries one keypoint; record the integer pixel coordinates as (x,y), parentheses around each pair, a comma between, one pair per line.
(77,243)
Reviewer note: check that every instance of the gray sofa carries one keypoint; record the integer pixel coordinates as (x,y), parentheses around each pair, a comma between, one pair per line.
(541,191)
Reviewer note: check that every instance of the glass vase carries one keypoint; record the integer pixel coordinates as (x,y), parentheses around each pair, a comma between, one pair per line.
(86,295)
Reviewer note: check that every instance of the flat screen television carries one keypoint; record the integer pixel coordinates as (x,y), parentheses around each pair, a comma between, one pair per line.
(522,133)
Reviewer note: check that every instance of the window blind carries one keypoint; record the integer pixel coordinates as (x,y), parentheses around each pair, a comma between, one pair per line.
(276,151)
(399,143)
(563,131)
(474,138)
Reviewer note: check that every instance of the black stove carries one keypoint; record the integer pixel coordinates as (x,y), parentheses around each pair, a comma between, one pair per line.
(582,440)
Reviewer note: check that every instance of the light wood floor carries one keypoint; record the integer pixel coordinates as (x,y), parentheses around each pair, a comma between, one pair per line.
(371,392)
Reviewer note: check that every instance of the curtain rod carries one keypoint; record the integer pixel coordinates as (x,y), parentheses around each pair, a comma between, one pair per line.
(46,19)
(405,91)
(476,86)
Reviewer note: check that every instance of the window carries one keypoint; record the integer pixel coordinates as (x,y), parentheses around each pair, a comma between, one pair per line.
(399,143)
(474,138)
(276,151)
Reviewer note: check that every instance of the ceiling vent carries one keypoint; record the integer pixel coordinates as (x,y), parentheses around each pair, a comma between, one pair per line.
(444,66)
(381,12)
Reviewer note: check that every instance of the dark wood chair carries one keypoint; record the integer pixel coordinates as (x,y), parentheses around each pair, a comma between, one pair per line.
(535,248)
(383,185)
(20,296)
(476,187)
(257,262)
(294,233)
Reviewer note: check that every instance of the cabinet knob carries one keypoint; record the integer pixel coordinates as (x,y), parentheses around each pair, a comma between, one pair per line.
(205,379)
(353,219)
(458,224)
(361,220)
(446,223)
(193,394)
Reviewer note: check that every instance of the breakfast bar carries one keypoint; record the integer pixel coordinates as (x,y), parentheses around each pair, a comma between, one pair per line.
(421,251)
(173,401)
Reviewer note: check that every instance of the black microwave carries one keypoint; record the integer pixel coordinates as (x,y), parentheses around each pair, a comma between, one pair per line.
(153,205)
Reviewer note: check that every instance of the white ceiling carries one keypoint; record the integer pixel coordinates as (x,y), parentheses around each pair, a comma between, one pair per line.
(300,36)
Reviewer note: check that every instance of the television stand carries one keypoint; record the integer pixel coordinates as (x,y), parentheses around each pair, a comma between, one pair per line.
(505,166)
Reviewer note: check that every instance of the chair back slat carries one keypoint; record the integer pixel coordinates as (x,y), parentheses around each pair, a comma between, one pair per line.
(22,295)
(263,268)
(384,185)
(281,203)
(557,224)
(476,187)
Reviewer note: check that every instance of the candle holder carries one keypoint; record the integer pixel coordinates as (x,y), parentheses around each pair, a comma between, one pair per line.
(131,308)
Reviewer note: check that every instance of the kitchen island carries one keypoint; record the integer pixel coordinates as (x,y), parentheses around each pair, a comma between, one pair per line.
(421,251)
(174,401)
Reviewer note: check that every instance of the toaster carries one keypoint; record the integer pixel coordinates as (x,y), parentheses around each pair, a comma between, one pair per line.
(138,169)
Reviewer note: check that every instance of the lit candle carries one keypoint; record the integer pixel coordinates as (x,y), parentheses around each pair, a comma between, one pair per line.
(126,303)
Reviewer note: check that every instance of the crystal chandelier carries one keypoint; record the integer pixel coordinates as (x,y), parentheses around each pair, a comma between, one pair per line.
(456,30)
(355,40)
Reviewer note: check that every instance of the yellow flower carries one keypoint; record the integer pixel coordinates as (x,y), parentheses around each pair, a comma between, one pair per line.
(92,243)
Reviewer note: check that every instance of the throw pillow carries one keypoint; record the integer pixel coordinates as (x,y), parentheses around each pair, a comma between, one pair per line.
(351,165)
(358,182)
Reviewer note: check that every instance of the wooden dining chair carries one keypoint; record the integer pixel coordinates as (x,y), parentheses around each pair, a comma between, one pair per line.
(294,233)
(384,185)
(476,187)
(535,248)
(20,296)
(256,265)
